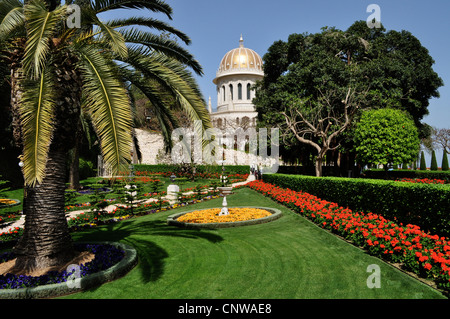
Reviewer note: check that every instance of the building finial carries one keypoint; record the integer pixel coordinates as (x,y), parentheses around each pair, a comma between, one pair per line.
(241,42)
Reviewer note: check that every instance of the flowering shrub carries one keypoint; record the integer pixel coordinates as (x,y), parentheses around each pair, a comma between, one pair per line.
(69,208)
(426,255)
(11,234)
(422,180)
(10,217)
(211,215)
(105,257)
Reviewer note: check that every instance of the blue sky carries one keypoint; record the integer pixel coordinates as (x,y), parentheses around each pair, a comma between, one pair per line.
(215,27)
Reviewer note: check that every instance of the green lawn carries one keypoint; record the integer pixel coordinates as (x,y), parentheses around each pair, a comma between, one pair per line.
(287,258)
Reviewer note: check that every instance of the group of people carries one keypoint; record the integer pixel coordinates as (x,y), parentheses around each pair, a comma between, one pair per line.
(256,170)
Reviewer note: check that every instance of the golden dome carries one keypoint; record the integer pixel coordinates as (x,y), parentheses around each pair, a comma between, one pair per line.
(240,60)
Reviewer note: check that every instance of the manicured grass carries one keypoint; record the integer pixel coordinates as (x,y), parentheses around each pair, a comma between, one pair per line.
(287,258)
(13,194)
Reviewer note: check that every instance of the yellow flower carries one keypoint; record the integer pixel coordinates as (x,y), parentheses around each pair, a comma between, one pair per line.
(212,215)
(6,201)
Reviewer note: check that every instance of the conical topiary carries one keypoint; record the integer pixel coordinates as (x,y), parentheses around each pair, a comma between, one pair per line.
(434,166)
(423,165)
(444,166)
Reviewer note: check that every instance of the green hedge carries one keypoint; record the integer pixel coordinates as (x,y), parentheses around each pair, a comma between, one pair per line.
(425,205)
(166,168)
(404,173)
(308,170)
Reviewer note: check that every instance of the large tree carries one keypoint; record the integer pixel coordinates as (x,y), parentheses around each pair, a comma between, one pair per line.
(319,82)
(57,72)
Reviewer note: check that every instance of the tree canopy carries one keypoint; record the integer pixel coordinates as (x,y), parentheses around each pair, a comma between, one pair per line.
(386,136)
(379,68)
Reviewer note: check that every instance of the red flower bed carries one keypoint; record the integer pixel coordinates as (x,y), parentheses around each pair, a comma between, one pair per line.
(426,255)
(421,180)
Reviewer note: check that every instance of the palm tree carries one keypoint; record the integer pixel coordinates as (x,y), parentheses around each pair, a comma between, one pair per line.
(57,72)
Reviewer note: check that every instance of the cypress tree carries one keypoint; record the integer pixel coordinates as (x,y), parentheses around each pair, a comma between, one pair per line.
(434,166)
(444,166)
(423,165)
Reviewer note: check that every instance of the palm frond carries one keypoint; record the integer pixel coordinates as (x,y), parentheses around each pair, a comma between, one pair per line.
(175,79)
(7,5)
(150,23)
(152,5)
(164,115)
(107,102)
(12,18)
(40,29)
(113,38)
(166,47)
(37,114)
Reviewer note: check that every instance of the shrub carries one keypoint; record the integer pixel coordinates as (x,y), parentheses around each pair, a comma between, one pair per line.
(423,165)
(444,162)
(86,169)
(434,166)
(413,174)
(420,204)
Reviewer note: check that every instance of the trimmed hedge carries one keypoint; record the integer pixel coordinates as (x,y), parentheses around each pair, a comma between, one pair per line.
(425,205)
(167,168)
(308,170)
(402,173)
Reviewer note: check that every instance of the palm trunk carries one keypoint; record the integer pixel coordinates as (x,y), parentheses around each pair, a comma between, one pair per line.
(46,241)
(74,173)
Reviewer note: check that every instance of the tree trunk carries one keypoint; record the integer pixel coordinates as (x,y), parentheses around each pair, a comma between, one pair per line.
(46,241)
(74,173)
(319,161)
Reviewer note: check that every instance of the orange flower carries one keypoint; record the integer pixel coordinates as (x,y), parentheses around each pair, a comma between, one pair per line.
(212,215)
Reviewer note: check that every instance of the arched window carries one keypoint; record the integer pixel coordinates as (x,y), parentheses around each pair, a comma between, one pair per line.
(239,91)
(231,91)
(237,120)
(248,91)
(223,92)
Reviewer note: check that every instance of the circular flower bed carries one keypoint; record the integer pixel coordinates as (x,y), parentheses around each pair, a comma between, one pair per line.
(238,216)
(212,215)
(111,261)
(6,202)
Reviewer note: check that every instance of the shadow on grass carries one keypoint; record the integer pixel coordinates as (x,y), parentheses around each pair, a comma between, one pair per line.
(138,234)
